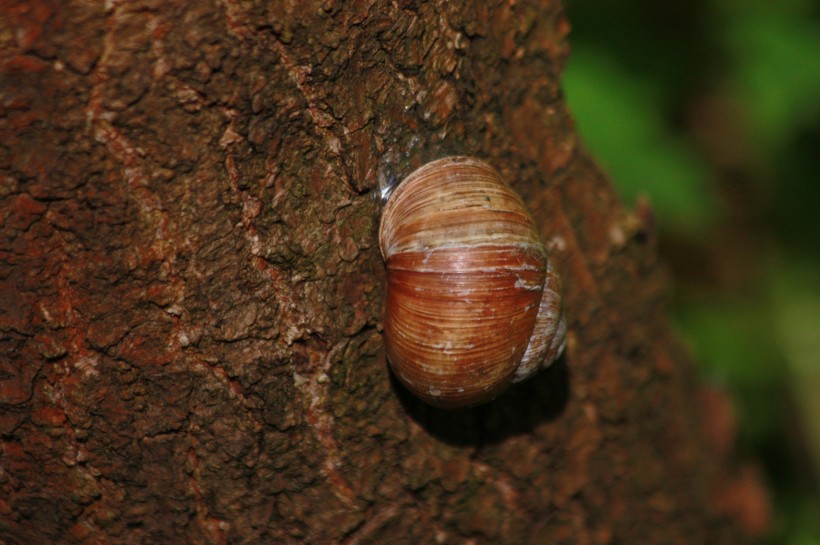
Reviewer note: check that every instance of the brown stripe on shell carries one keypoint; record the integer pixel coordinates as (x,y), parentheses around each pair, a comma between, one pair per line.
(455,337)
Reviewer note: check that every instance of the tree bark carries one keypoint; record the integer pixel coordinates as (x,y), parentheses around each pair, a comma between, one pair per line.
(191,288)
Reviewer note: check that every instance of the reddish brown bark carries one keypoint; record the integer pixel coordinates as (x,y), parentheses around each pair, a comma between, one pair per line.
(191,289)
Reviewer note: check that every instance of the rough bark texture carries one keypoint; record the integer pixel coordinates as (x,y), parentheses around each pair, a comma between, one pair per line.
(191,289)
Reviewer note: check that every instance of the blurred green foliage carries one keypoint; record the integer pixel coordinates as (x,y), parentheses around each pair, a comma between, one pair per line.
(775,75)
(712,110)
(619,120)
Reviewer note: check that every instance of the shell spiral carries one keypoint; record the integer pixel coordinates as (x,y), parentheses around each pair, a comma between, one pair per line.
(473,303)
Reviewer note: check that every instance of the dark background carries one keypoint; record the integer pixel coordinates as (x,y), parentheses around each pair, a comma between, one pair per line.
(710,110)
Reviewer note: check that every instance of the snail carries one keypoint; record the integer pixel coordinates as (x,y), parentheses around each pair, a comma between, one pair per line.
(473,303)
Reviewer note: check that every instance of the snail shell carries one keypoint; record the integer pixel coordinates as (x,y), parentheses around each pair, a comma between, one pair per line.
(472,302)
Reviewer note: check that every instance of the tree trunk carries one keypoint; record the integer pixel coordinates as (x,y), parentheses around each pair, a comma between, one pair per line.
(191,288)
